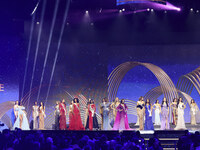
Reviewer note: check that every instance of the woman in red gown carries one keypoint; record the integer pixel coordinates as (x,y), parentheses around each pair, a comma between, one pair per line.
(63,113)
(71,116)
(77,117)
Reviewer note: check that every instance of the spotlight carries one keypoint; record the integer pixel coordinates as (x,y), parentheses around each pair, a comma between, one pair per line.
(191,9)
(92,24)
(100,10)
(148,9)
(123,9)
(86,11)
(152,10)
(38,22)
(178,9)
(67,23)
(120,10)
(165,11)
(197,11)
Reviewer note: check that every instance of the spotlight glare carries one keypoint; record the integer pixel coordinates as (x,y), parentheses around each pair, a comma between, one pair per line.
(67,23)
(148,9)
(120,10)
(152,10)
(86,11)
(92,24)
(191,9)
(123,9)
(178,9)
(197,11)
(38,22)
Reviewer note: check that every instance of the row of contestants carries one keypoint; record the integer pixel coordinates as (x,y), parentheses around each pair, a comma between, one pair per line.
(144,112)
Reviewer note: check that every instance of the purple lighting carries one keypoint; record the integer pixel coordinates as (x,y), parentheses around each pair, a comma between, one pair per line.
(168,6)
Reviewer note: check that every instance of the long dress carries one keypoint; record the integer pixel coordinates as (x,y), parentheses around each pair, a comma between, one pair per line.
(148,118)
(157,115)
(105,112)
(71,118)
(193,112)
(41,118)
(57,117)
(174,113)
(35,114)
(92,122)
(63,112)
(121,120)
(77,117)
(164,117)
(140,113)
(23,122)
(181,121)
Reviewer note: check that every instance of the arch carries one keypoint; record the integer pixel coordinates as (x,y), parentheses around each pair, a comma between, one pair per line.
(116,76)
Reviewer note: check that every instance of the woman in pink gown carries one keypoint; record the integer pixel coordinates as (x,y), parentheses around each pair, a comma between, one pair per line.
(63,113)
(121,120)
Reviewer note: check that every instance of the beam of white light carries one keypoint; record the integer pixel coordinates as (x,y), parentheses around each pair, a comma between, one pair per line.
(28,54)
(58,47)
(34,10)
(48,45)
(37,46)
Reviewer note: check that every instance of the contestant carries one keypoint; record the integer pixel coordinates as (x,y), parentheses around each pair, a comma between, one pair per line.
(77,117)
(140,112)
(21,120)
(148,116)
(63,113)
(121,121)
(101,112)
(114,106)
(92,122)
(105,106)
(16,109)
(71,116)
(35,114)
(57,116)
(157,108)
(164,115)
(181,121)
(193,112)
(173,105)
(41,116)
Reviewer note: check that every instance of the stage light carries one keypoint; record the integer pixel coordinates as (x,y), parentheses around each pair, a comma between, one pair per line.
(123,9)
(191,9)
(152,10)
(165,11)
(38,22)
(148,9)
(92,24)
(67,23)
(100,10)
(197,11)
(178,9)
(86,12)
(120,10)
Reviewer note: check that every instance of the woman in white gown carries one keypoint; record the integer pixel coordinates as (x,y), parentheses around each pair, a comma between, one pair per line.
(21,120)
(181,121)
(157,108)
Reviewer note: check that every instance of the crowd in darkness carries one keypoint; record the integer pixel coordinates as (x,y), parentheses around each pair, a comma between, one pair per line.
(66,140)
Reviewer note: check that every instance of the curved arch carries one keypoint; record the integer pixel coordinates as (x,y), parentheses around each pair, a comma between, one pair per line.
(116,76)
(6,106)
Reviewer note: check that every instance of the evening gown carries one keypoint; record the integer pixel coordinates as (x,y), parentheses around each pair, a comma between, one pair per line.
(106,110)
(121,120)
(181,121)
(193,112)
(78,125)
(148,118)
(71,118)
(157,115)
(92,122)
(63,112)
(164,117)
(174,113)
(35,114)
(25,123)
(57,117)
(140,113)
(41,118)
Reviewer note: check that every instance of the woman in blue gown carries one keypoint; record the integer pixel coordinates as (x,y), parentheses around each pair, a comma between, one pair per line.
(148,116)
(21,119)
(105,106)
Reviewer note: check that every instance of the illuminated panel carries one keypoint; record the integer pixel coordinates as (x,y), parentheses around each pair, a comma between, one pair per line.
(122,2)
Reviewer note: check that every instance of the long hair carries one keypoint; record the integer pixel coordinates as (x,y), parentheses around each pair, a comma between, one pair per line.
(163,103)
(191,101)
(77,100)
(179,101)
(148,102)
(122,100)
